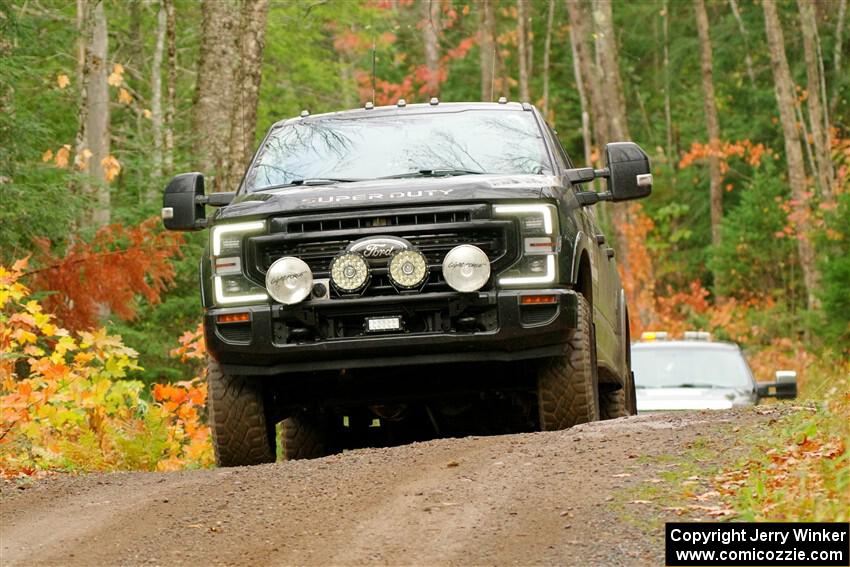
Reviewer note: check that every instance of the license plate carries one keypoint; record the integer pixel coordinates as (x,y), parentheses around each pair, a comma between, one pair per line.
(383,324)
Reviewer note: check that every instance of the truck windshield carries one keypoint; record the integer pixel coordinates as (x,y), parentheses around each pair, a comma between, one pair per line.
(670,366)
(353,149)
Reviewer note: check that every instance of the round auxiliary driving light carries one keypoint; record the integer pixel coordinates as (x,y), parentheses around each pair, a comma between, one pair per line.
(466,268)
(349,272)
(289,280)
(408,269)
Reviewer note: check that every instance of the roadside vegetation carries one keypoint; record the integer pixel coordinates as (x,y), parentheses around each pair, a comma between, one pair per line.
(742,106)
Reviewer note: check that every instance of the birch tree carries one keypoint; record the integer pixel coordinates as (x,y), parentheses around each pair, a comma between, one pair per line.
(171,89)
(156,95)
(431,40)
(711,121)
(816,99)
(92,143)
(522,48)
(487,49)
(786,101)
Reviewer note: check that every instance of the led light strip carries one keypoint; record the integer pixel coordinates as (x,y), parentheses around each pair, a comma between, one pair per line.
(545,210)
(219,230)
(525,280)
(222,299)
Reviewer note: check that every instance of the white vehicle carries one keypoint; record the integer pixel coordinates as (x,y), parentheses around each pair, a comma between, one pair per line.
(695,373)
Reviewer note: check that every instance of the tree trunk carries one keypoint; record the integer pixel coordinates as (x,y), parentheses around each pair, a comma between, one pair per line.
(93,134)
(431,39)
(487,48)
(156,97)
(579,70)
(606,49)
(171,35)
(580,34)
(838,50)
(219,58)
(522,49)
(733,4)
(711,121)
(668,116)
(786,100)
(818,118)
(547,48)
(247,92)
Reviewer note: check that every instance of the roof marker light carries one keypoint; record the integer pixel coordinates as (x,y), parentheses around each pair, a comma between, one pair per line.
(370,105)
(402,103)
(653,336)
(434,101)
(503,100)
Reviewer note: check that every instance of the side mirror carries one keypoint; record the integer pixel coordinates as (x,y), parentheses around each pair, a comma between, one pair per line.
(183,203)
(629,173)
(785,386)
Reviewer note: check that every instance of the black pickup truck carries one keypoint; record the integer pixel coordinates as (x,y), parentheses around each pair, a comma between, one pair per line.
(403,262)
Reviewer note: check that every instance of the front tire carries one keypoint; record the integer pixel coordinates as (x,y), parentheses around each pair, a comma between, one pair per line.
(304,436)
(568,385)
(241,430)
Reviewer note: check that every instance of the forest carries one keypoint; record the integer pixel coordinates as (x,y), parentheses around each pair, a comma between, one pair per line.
(742,105)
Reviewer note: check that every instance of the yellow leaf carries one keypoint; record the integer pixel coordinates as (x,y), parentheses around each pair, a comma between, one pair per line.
(47,156)
(63,81)
(147,113)
(111,167)
(81,160)
(62,156)
(124,96)
(116,78)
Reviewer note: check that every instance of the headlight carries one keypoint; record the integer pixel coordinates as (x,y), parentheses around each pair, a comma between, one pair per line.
(408,269)
(349,272)
(466,268)
(229,285)
(289,280)
(540,242)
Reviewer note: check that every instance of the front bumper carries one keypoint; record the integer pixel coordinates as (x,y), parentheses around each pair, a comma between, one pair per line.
(440,328)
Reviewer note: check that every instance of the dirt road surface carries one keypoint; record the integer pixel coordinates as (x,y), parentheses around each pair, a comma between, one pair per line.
(558,498)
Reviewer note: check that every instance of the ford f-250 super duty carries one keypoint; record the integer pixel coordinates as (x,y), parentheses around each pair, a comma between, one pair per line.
(392,262)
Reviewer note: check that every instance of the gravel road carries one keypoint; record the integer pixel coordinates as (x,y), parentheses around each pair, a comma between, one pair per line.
(558,498)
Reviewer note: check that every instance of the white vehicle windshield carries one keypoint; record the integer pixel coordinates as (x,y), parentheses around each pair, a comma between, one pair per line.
(404,145)
(663,366)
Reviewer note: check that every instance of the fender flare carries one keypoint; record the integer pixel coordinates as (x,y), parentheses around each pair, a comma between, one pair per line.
(580,245)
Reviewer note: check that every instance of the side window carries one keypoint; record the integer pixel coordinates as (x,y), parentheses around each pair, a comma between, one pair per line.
(566,163)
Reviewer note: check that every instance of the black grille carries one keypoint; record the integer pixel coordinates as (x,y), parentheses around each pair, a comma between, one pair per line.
(373,220)
(432,231)
(235,332)
(536,314)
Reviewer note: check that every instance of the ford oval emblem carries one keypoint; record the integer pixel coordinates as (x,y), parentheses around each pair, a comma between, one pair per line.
(379,248)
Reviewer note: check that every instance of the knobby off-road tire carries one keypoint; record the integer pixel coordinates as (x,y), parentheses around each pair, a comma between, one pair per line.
(242,434)
(304,436)
(619,403)
(567,386)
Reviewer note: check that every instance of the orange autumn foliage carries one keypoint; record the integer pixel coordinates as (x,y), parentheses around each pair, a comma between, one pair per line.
(109,272)
(68,400)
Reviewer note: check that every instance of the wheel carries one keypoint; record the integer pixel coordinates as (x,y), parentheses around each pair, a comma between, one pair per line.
(622,402)
(242,433)
(304,436)
(619,403)
(567,386)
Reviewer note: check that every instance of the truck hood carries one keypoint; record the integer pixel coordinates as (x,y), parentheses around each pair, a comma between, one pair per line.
(391,192)
(667,399)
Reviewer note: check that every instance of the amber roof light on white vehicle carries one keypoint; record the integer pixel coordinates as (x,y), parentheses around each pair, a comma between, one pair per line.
(649,336)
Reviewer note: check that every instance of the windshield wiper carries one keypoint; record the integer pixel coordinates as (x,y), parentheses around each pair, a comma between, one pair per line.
(694,385)
(312,181)
(432,173)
